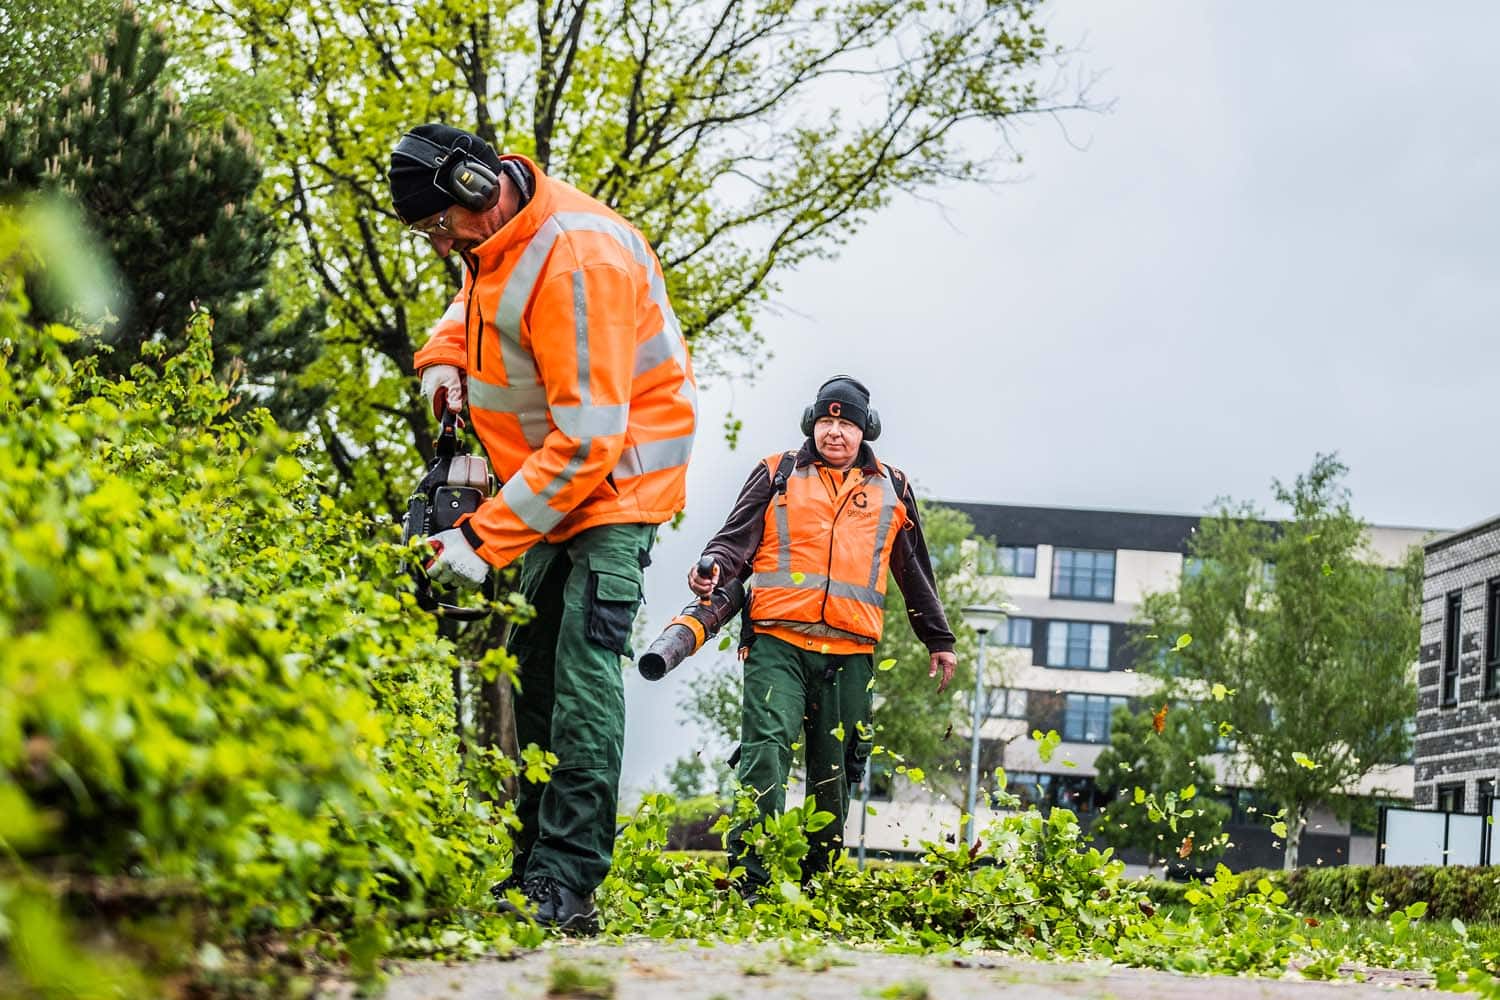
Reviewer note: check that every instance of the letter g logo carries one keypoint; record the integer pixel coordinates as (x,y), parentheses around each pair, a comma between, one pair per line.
(835,408)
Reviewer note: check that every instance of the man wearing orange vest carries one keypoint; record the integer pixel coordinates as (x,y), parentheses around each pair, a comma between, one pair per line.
(815,532)
(564,346)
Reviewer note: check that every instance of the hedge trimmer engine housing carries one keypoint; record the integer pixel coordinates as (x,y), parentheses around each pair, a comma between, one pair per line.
(455,484)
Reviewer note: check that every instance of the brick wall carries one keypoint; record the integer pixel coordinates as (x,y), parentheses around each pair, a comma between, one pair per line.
(1460,743)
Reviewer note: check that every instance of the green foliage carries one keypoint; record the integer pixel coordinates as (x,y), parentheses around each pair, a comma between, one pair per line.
(172,204)
(1154,781)
(926,729)
(1307,639)
(211,701)
(45,44)
(580,979)
(703,122)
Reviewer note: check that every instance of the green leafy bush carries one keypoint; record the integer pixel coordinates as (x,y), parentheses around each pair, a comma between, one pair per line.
(209,683)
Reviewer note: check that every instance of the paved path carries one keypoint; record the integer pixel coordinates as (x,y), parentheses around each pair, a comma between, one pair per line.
(650,970)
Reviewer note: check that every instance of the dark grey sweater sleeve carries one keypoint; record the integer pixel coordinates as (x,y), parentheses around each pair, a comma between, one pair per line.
(912,568)
(733,548)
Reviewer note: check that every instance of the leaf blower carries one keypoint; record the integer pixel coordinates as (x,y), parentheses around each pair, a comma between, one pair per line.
(699,622)
(455,484)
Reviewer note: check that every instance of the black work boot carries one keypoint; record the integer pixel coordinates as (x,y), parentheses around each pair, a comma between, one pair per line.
(553,904)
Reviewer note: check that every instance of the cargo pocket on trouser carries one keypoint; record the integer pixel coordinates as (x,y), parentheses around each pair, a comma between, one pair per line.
(856,759)
(613,602)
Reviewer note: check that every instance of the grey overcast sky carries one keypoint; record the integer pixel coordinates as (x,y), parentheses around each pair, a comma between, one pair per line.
(1281,240)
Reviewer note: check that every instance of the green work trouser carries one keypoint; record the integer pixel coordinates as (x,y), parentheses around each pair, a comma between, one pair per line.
(586,592)
(787,691)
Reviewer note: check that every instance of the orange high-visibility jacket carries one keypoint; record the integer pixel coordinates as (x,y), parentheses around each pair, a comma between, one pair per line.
(821,564)
(579,382)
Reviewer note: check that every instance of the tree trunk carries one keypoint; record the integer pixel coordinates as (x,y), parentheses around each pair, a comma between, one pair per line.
(1295,825)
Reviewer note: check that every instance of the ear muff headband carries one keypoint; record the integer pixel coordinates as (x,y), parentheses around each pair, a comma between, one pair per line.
(469,181)
(872,418)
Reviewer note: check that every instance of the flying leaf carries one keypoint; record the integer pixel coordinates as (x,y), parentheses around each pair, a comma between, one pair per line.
(1140,795)
(837,732)
(1159,720)
(797,578)
(1183,642)
(1279,828)
(724,642)
(886,664)
(916,774)
(1304,760)
(1189,792)
(1220,692)
(1187,846)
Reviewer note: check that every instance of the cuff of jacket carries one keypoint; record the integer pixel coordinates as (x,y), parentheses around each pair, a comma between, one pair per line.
(472,537)
(940,646)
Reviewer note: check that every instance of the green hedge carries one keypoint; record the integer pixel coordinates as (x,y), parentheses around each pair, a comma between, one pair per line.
(1471,894)
(212,696)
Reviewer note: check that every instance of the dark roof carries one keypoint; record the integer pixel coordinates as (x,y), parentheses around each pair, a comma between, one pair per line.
(1074,527)
(1489,524)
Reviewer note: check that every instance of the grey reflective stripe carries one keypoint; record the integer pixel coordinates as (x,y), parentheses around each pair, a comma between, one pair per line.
(854,592)
(781,578)
(664,346)
(653,456)
(882,530)
(591,421)
(515,399)
(532,508)
(783,535)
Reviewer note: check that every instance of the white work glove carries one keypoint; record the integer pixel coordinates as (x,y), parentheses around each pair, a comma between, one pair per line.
(443,384)
(456,564)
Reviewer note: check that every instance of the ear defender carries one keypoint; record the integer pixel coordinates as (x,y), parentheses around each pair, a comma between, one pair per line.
(473,185)
(807,421)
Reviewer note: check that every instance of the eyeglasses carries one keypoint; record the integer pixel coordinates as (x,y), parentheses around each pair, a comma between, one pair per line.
(437,227)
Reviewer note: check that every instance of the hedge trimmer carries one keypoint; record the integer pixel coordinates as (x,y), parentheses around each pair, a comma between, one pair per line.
(455,484)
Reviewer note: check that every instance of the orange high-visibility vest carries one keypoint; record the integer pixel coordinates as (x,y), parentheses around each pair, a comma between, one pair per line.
(822,563)
(579,382)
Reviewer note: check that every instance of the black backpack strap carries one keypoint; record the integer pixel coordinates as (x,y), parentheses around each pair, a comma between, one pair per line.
(898,480)
(783,473)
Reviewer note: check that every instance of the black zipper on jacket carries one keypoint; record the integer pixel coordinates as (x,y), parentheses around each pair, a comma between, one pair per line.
(472,263)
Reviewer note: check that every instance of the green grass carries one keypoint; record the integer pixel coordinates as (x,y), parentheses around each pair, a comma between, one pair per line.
(908,989)
(580,979)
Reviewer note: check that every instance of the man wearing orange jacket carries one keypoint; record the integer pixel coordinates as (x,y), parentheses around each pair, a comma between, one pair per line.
(815,531)
(576,375)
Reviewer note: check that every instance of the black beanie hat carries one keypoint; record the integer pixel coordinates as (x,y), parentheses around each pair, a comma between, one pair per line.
(416,185)
(844,397)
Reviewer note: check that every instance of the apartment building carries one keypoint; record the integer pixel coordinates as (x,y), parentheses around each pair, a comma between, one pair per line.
(1075,579)
(1458,674)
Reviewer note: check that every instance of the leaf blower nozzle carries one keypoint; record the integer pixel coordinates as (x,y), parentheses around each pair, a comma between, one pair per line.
(699,622)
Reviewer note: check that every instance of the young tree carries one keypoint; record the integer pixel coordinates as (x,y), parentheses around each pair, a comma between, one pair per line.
(742,138)
(173,205)
(1144,769)
(1308,640)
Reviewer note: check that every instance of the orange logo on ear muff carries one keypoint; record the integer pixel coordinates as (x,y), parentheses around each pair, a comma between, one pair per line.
(835,408)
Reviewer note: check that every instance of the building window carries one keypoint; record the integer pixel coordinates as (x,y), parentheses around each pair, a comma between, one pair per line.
(1451,631)
(1078,644)
(1013,632)
(1007,560)
(1450,798)
(1086,717)
(1192,567)
(1007,703)
(1083,575)
(1492,639)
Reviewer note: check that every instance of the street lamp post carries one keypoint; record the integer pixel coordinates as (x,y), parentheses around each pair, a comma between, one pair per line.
(983,619)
